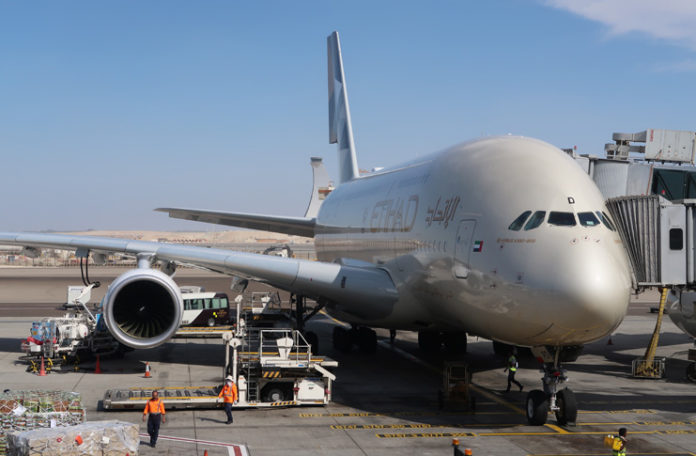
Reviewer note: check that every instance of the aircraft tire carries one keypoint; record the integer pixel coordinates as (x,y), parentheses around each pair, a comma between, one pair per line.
(429,341)
(691,372)
(313,341)
(367,340)
(342,340)
(537,407)
(455,342)
(568,407)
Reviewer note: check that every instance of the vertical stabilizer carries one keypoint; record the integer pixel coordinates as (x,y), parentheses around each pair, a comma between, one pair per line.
(321,188)
(340,128)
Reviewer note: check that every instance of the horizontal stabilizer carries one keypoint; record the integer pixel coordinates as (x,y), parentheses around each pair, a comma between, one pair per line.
(296,226)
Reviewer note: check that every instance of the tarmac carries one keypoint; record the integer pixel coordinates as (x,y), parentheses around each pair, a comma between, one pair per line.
(386,403)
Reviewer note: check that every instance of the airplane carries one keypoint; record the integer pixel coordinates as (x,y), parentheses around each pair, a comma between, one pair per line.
(681,308)
(504,237)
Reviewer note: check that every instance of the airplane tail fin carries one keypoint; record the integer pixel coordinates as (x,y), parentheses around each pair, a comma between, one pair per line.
(340,128)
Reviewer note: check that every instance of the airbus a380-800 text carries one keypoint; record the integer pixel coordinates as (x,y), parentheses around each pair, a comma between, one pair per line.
(502,237)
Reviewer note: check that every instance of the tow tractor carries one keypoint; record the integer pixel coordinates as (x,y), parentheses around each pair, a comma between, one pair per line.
(272,367)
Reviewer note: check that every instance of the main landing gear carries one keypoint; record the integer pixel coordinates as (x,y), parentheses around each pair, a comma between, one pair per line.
(362,337)
(432,341)
(561,401)
(302,315)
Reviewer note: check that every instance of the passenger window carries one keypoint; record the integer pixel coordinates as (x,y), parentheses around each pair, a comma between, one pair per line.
(516,225)
(562,219)
(676,239)
(223,303)
(588,219)
(535,220)
(605,219)
(187,304)
(207,304)
(196,304)
(216,303)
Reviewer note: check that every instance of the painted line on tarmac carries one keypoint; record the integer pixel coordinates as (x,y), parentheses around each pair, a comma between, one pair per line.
(619,412)
(426,435)
(234,449)
(350,427)
(601,454)
(559,430)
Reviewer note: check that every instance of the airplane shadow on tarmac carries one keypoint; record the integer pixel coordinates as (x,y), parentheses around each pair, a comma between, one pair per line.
(386,384)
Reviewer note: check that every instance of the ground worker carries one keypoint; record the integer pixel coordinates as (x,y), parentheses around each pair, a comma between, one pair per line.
(155,408)
(618,447)
(228,393)
(511,367)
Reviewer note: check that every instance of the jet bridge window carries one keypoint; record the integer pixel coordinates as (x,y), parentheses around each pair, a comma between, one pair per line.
(605,219)
(516,225)
(676,239)
(535,220)
(587,219)
(562,219)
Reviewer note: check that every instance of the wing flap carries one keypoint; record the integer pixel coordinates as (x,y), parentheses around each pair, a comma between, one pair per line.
(296,226)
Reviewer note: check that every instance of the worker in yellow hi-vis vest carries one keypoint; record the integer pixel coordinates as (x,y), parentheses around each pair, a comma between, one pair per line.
(618,447)
(511,368)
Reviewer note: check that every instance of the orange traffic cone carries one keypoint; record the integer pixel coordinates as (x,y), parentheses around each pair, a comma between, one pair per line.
(42,371)
(205,453)
(97,370)
(147,370)
(609,342)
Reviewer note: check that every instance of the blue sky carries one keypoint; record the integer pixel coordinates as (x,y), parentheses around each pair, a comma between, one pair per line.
(110,109)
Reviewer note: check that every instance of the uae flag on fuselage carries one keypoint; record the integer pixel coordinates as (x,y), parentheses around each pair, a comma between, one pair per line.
(478,246)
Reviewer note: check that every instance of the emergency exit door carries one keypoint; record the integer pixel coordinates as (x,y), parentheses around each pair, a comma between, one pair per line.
(462,248)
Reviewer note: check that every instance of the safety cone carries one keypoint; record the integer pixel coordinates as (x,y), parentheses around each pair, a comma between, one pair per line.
(609,342)
(147,371)
(97,370)
(42,371)
(205,453)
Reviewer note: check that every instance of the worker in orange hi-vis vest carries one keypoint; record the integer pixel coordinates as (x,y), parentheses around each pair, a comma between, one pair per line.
(155,408)
(228,393)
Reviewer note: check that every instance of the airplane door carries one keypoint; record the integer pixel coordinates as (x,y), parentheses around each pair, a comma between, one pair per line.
(462,248)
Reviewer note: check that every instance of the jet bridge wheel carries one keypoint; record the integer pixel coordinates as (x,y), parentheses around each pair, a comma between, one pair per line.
(567,407)
(537,407)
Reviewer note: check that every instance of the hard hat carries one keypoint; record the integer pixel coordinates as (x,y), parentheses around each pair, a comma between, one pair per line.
(229,378)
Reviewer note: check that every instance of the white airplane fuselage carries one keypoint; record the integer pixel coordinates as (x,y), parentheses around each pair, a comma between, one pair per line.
(439,226)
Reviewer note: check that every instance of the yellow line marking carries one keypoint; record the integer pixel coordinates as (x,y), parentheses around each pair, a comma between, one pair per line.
(499,434)
(556,428)
(497,399)
(333,319)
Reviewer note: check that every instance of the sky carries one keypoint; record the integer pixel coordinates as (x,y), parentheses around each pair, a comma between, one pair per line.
(111,109)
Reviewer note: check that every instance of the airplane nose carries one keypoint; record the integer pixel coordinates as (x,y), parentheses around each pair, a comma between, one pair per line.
(596,296)
(590,290)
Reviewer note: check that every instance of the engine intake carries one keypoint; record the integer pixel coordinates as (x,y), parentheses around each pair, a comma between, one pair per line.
(143,308)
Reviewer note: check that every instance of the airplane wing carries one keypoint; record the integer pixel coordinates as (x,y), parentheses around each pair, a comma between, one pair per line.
(297,226)
(357,288)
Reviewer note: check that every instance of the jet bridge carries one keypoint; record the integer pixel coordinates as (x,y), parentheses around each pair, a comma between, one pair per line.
(649,180)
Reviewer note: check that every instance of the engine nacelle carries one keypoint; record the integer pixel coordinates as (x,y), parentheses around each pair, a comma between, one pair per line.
(143,308)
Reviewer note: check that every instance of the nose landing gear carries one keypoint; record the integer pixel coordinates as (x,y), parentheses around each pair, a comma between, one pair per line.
(560,401)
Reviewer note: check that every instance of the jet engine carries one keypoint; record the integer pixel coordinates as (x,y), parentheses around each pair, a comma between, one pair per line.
(143,308)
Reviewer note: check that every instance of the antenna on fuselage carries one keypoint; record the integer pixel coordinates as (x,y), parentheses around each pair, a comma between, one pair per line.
(340,128)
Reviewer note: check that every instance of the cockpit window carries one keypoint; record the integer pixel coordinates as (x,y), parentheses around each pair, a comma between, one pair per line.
(605,219)
(588,219)
(562,219)
(535,220)
(516,225)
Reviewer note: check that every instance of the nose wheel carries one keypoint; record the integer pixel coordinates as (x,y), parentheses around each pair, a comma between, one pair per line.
(560,401)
